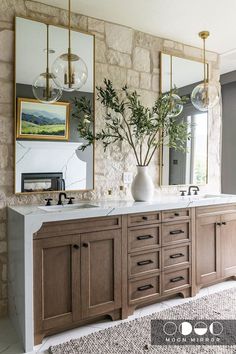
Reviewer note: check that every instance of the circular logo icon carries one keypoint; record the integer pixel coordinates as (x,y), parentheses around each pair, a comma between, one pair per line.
(216,328)
(200,328)
(170,328)
(185,328)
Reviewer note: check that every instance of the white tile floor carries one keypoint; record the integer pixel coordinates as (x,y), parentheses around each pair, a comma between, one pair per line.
(9,343)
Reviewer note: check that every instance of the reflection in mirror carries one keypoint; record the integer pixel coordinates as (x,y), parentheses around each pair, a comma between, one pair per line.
(189,167)
(47,155)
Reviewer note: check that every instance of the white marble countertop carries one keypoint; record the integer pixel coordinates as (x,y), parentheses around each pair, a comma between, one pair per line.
(119,207)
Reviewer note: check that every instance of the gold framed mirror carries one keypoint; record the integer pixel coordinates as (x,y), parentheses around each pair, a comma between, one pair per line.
(47,154)
(191,166)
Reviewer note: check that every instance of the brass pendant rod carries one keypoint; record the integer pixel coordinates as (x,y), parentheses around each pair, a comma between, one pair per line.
(204,58)
(69,43)
(204,35)
(47,68)
(69,23)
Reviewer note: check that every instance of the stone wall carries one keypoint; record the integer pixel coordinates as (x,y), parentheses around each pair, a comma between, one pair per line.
(123,55)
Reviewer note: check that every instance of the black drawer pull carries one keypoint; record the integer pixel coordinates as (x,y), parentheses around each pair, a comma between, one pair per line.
(145,287)
(85,245)
(224,223)
(176,214)
(177,255)
(174,280)
(176,232)
(145,218)
(144,237)
(76,247)
(218,224)
(141,263)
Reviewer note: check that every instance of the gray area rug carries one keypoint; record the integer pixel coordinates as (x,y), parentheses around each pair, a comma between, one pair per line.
(134,337)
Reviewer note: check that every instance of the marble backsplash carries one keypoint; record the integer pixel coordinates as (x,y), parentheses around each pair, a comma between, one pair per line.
(125,56)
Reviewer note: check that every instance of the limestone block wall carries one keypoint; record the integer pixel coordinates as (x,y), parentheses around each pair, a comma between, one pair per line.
(124,56)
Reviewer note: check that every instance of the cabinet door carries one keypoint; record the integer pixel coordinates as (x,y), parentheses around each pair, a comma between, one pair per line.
(101,272)
(56,282)
(208,263)
(228,244)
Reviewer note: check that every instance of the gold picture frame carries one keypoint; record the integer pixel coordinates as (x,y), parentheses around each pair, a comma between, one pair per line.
(42,121)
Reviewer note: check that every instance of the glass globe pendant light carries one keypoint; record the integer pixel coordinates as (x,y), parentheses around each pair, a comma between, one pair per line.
(45,86)
(69,69)
(176,106)
(205,95)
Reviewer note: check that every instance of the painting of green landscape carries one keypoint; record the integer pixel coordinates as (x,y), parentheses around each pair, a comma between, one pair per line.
(42,121)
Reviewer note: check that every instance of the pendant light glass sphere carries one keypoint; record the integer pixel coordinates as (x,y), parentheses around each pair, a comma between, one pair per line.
(71,74)
(204,96)
(176,106)
(46,88)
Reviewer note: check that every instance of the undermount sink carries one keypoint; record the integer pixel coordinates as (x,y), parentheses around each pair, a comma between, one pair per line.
(208,196)
(67,207)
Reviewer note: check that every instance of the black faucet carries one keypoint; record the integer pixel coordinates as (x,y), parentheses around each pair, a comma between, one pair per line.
(194,188)
(62,194)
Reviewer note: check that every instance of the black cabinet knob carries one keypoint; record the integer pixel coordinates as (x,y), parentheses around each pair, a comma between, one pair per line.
(85,245)
(145,218)
(76,247)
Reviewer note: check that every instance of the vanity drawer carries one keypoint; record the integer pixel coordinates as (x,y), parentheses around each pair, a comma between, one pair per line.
(175,232)
(178,214)
(173,255)
(144,218)
(144,262)
(143,238)
(176,279)
(144,288)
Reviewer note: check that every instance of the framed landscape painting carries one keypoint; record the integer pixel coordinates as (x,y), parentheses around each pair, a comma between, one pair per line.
(47,121)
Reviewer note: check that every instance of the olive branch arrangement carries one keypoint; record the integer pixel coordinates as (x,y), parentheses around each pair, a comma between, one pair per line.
(127,120)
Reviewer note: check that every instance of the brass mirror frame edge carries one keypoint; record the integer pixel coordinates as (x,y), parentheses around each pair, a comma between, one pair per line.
(160,90)
(15,108)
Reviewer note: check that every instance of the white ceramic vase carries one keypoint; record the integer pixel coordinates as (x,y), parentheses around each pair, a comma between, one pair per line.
(142,187)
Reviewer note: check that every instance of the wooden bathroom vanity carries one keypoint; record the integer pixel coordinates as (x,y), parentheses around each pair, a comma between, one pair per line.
(79,266)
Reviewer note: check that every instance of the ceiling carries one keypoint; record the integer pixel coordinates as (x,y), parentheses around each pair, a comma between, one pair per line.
(174,19)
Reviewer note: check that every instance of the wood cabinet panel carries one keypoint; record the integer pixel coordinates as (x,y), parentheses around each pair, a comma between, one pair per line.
(54,287)
(144,288)
(101,277)
(228,244)
(175,215)
(215,210)
(56,266)
(144,219)
(144,262)
(143,238)
(72,227)
(176,255)
(175,280)
(208,258)
(175,232)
